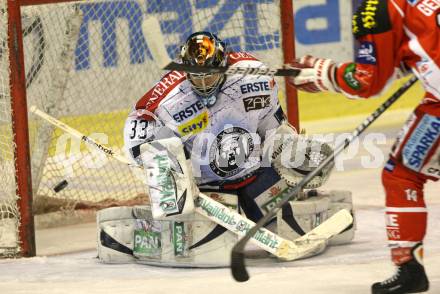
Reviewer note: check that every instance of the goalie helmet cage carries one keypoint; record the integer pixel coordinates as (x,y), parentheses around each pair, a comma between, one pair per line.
(86,63)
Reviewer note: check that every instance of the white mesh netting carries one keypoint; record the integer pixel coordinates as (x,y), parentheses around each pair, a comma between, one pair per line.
(87,63)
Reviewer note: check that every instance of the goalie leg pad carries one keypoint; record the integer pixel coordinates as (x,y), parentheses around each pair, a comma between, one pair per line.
(299,217)
(193,241)
(115,235)
(339,199)
(342,199)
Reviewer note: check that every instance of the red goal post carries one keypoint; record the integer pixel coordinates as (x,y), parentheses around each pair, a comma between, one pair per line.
(16,149)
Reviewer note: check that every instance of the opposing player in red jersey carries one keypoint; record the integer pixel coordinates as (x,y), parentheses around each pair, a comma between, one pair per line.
(395,36)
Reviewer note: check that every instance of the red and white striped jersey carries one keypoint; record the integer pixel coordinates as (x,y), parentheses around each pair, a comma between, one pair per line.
(393,34)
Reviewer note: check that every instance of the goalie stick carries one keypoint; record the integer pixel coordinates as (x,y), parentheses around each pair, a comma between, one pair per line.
(233,221)
(156,44)
(238,267)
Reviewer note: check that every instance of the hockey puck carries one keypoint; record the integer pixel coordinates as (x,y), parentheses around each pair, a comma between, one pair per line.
(60,186)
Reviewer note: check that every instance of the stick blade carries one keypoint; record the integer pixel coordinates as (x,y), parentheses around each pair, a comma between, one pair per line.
(155,41)
(238,267)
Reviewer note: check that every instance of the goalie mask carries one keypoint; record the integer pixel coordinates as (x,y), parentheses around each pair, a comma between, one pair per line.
(204,49)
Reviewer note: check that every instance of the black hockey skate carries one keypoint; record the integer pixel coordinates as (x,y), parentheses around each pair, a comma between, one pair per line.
(409,278)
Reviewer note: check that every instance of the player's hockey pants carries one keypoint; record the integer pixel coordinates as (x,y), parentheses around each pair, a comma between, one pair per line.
(415,158)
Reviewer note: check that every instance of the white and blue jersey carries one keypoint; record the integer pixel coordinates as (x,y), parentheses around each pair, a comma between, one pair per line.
(222,134)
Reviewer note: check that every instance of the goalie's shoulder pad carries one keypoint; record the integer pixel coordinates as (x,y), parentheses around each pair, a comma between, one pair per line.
(245,59)
(151,100)
(235,57)
(249,85)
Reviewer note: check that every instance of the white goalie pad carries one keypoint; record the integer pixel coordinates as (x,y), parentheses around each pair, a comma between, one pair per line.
(340,199)
(193,241)
(115,234)
(293,156)
(170,181)
(300,217)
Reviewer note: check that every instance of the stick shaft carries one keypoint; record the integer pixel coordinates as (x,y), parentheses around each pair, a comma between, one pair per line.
(234,70)
(59,124)
(204,200)
(292,191)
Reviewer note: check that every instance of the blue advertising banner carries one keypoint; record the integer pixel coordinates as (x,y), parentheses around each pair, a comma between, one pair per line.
(322,28)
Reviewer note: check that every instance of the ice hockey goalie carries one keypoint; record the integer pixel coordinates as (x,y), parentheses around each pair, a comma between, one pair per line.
(225,137)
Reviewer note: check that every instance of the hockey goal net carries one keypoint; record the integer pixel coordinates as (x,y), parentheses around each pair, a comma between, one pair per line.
(86,63)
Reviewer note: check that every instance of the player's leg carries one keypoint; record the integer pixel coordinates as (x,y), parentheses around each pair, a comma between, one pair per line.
(414,160)
(406,218)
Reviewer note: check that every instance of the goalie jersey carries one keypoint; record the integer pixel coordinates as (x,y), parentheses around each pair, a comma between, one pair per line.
(222,134)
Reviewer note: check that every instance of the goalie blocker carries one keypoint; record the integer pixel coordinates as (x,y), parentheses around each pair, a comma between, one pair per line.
(170,182)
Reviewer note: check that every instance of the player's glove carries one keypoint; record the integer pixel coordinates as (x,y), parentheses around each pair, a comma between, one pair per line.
(316,74)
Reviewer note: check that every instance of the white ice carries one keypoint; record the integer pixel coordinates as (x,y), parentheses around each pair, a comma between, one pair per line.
(343,269)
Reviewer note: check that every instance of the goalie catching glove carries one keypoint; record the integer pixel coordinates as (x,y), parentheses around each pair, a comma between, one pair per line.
(293,156)
(316,74)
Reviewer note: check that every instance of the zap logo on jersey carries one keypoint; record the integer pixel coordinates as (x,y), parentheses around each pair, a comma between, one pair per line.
(421,141)
(366,53)
(256,102)
(194,126)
